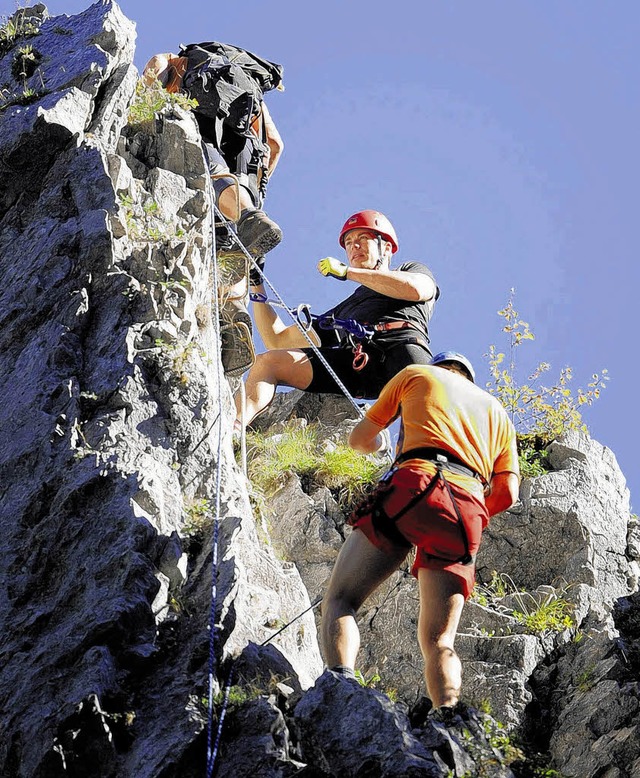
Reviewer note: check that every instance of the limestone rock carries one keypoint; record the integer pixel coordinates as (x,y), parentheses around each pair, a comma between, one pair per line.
(118,427)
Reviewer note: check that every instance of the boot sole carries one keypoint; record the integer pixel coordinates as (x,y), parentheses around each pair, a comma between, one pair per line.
(269,240)
(238,354)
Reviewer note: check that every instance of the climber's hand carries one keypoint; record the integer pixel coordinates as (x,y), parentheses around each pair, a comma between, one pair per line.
(330,266)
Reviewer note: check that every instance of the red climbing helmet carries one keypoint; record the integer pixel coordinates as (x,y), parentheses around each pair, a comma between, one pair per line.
(371,220)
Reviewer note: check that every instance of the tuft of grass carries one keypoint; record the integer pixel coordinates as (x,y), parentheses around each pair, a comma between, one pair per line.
(198,517)
(25,63)
(298,450)
(495,590)
(538,614)
(373,681)
(348,472)
(502,741)
(553,614)
(149,101)
(587,679)
(20,26)
(144,222)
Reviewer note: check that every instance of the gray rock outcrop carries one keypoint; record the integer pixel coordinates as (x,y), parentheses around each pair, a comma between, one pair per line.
(116,431)
(139,590)
(570,541)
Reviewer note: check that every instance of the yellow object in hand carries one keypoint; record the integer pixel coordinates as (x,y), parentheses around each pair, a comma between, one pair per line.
(330,266)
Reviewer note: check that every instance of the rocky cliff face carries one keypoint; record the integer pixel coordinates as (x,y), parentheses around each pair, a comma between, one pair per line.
(135,579)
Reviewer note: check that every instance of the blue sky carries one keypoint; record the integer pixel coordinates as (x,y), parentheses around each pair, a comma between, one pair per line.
(499,137)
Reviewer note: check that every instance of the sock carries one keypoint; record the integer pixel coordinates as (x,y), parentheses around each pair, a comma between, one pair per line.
(347,672)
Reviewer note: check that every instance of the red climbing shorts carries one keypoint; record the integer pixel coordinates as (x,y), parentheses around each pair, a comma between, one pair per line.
(414,508)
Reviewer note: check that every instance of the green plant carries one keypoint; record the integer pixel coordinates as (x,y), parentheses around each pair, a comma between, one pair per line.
(489,593)
(539,413)
(271,459)
(373,681)
(237,696)
(586,679)
(145,222)
(553,614)
(347,472)
(16,27)
(502,741)
(149,100)
(198,517)
(538,613)
(28,96)
(298,450)
(369,682)
(25,63)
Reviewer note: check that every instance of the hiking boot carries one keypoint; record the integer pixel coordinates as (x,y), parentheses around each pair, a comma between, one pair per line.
(258,233)
(236,348)
(447,714)
(234,310)
(232,262)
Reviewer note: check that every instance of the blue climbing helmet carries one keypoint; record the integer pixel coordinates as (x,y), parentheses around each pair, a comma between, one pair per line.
(454,356)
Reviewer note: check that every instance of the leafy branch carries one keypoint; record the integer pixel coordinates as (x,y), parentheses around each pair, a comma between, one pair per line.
(539,412)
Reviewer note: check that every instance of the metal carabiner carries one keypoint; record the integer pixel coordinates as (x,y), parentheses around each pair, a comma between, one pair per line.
(360,358)
(303,315)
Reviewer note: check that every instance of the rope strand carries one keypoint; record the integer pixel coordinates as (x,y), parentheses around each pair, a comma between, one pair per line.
(305,334)
(212,750)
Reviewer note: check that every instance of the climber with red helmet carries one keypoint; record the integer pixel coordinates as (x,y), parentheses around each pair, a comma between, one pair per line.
(394,305)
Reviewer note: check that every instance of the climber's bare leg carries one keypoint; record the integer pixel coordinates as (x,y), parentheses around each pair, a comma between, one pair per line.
(271,369)
(441,603)
(228,202)
(359,569)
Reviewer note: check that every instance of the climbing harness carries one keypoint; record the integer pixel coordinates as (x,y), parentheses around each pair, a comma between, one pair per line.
(386,524)
(442,456)
(356,331)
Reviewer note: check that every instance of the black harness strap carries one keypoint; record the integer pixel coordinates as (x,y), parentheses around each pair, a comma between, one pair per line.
(386,524)
(442,456)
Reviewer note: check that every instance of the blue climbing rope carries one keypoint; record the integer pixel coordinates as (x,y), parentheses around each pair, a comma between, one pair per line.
(211,747)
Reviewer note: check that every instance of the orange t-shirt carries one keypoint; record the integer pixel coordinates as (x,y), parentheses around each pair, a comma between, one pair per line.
(442,409)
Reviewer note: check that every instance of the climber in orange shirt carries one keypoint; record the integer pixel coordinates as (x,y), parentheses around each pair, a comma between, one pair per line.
(458,465)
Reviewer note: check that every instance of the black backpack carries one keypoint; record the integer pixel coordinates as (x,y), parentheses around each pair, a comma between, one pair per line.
(228,83)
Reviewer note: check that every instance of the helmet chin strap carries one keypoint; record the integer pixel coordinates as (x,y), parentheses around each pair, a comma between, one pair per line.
(379,262)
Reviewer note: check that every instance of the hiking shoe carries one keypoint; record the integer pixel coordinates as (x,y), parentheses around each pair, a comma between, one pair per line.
(447,714)
(258,233)
(236,348)
(234,310)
